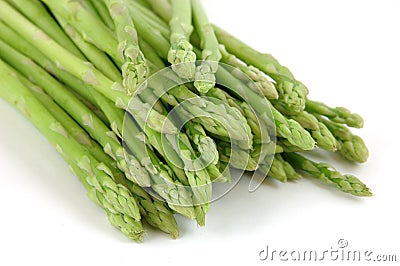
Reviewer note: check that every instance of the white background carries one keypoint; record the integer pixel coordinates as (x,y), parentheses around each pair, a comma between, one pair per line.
(346,52)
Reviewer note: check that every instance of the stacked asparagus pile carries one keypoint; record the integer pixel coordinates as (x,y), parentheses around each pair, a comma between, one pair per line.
(82,73)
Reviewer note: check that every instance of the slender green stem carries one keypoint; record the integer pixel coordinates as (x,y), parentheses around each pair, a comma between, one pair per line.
(162,8)
(83,115)
(68,62)
(205,72)
(181,54)
(327,174)
(134,68)
(114,198)
(291,91)
(37,13)
(91,28)
(97,57)
(103,13)
(339,115)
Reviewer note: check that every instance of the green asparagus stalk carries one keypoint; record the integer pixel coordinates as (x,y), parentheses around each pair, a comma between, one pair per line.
(216,117)
(173,191)
(258,80)
(291,91)
(78,68)
(280,170)
(350,146)
(98,58)
(181,54)
(259,135)
(134,69)
(339,115)
(327,174)
(80,135)
(148,17)
(206,151)
(205,145)
(287,128)
(236,157)
(37,13)
(285,146)
(88,5)
(87,24)
(321,134)
(178,156)
(182,159)
(86,118)
(124,223)
(113,197)
(162,8)
(205,72)
(103,13)
(80,87)
(152,210)
(199,179)
(306,119)
(153,35)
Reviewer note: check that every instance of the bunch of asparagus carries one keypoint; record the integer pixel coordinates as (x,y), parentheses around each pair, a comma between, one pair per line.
(82,72)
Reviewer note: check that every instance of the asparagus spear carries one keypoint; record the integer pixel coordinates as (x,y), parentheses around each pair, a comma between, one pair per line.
(103,13)
(205,72)
(215,116)
(280,170)
(350,146)
(79,134)
(162,8)
(287,128)
(205,145)
(148,17)
(236,157)
(87,24)
(163,179)
(37,13)
(153,35)
(152,210)
(189,169)
(124,223)
(339,114)
(113,197)
(244,72)
(97,57)
(162,182)
(181,54)
(258,129)
(86,118)
(327,174)
(77,85)
(321,134)
(78,68)
(291,91)
(134,69)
